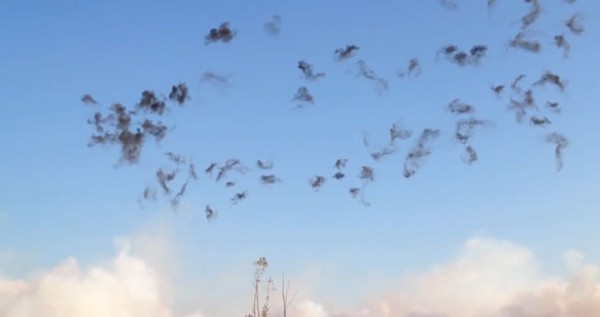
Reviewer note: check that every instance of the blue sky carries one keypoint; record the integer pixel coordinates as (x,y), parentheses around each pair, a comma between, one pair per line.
(61,198)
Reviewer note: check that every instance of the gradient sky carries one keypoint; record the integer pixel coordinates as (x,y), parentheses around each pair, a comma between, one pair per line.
(61,198)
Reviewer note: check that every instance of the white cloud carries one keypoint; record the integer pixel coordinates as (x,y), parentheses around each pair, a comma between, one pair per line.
(481,279)
(307,309)
(126,287)
(487,278)
(491,278)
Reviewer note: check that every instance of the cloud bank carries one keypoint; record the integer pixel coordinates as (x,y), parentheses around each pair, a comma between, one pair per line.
(487,278)
(127,286)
